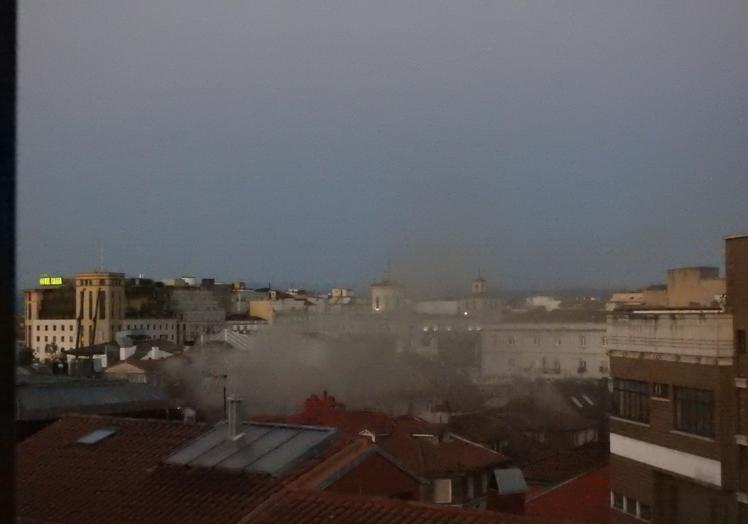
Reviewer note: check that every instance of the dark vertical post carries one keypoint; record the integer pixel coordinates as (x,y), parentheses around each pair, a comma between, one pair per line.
(8,12)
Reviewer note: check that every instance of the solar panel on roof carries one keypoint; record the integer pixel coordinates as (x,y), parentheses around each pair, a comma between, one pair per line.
(510,481)
(198,446)
(266,448)
(292,450)
(96,435)
(255,449)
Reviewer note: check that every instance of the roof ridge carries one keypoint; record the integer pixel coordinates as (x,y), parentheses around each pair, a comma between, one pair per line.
(565,482)
(85,416)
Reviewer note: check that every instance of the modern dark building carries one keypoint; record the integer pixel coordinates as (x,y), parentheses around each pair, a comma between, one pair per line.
(678,423)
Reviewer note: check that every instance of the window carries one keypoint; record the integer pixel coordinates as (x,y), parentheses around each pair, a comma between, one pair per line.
(46,338)
(660,390)
(37,338)
(582,340)
(630,506)
(558,341)
(443,491)
(645,512)
(536,340)
(604,341)
(694,411)
(617,501)
(510,340)
(102,305)
(54,327)
(38,327)
(96,436)
(740,342)
(46,328)
(469,488)
(631,400)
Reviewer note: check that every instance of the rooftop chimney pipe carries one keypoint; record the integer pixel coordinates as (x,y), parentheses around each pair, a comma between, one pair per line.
(233,412)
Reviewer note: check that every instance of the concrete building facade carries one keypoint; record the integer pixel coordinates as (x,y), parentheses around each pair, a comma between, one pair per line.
(679,425)
(387,295)
(549,349)
(93,307)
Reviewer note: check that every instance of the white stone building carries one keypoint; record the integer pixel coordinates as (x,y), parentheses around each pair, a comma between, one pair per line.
(548,346)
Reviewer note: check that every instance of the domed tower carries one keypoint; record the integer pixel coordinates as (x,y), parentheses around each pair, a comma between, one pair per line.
(481,300)
(386,295)
(478,286)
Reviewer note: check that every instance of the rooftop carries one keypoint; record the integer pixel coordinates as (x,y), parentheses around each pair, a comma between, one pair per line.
(121,477)
(93,469)
(585,498)
(303,507)
(48,398)
(260,447)
(423,447)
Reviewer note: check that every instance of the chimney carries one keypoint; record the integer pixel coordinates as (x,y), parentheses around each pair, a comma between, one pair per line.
(233,414)
(126,352)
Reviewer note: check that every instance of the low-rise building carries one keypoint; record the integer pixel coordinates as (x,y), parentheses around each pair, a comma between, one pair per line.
(99,469)
(458,471)
(699,286)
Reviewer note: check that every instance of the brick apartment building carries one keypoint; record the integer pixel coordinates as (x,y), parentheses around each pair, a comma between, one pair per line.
(678,420)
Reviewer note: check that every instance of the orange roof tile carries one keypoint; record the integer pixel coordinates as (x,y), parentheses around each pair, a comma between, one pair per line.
(585,498)
(303,507)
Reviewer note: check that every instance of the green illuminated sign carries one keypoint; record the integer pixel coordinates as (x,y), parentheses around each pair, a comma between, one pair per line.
(46,280)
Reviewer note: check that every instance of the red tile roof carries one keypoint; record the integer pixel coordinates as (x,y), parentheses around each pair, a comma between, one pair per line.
(583,499)
(304,507)
(441,454)
(553,466)
(345,420)
(121,478)
(426,456)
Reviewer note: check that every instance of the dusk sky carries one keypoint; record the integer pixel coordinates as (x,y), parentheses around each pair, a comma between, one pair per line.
(549,143)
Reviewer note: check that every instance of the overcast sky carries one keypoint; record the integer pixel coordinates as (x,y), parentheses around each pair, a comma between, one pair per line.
(550,143)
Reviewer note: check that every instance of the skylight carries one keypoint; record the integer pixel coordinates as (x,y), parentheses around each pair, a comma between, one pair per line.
(96,435)
(588,400)
(576,402)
